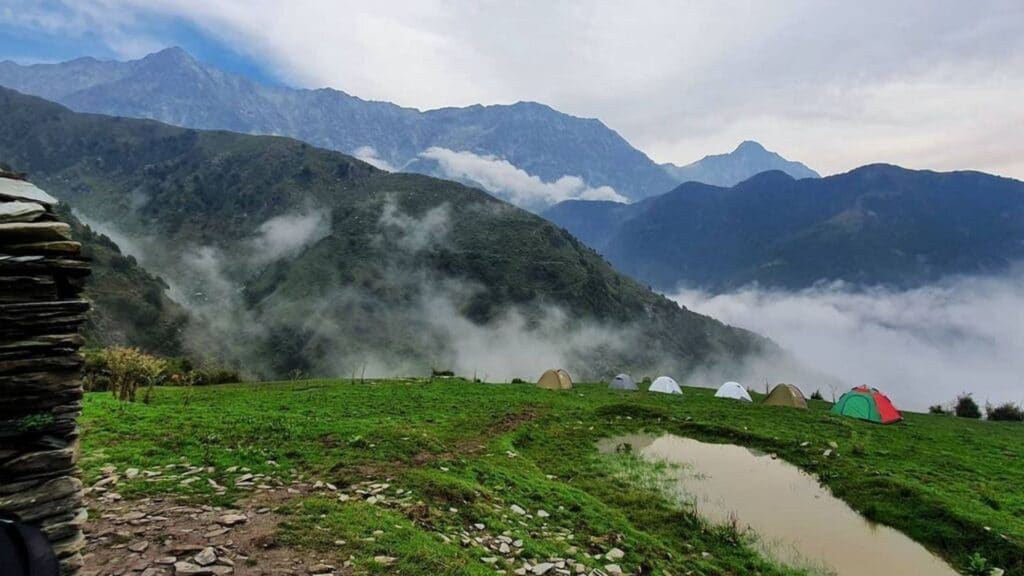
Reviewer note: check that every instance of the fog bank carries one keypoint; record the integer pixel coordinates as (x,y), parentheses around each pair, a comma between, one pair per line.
(921,346)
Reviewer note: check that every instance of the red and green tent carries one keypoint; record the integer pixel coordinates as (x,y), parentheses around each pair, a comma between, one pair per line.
(867,404)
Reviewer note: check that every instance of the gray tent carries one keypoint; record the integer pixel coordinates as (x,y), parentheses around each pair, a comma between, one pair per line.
(623,382)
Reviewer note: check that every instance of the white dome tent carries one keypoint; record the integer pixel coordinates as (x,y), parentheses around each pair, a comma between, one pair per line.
(733,391)
(665,385)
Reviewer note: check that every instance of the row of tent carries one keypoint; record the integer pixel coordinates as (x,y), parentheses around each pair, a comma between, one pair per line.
(861,402)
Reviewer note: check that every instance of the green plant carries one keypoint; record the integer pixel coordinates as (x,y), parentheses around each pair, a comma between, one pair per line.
(1007,412)
(817,395)
(977,565)
(936,409)
(966,407)
(35,422)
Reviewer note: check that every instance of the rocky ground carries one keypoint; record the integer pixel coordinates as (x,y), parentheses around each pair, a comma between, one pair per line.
(168,536)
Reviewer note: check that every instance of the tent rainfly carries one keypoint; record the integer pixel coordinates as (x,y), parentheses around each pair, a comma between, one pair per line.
(786,395)
(622,382)
(555,379)
(665,385)
(733,391)
(867,404)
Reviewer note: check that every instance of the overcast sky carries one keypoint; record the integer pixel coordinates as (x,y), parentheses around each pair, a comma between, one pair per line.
(924,84)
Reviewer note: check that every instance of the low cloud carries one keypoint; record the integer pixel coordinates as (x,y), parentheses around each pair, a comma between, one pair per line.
(284,236)
(922,346)
(505,180)
(370,155)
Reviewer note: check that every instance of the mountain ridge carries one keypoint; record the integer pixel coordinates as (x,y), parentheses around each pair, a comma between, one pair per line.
(878,224)
(379,254)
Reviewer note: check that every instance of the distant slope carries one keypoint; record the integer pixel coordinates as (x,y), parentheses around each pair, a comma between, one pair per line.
(878,224)
(292,257)
(747,160)
(130,305)
(172,87)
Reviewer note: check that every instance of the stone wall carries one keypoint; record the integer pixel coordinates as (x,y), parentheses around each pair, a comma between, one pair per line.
(42,274)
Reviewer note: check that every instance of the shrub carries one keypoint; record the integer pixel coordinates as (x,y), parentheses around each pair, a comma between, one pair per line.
(817,395)
(129,368)
(1008,412)
(966,407)
(936,409)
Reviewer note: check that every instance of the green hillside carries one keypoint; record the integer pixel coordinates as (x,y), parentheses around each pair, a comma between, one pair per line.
(130,305)
(420,470)
(397,267)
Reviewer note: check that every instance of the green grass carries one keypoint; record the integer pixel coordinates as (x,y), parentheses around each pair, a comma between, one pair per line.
(467,452)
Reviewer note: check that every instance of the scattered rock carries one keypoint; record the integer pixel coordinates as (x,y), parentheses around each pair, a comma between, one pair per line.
(232,519)
(139,547)
(206,556)
(615,554)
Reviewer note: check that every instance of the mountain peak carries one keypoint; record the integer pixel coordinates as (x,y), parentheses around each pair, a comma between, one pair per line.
(749,146)
(748,159)
(171,54)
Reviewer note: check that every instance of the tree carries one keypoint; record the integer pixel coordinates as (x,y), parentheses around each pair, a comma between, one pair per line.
(966,407)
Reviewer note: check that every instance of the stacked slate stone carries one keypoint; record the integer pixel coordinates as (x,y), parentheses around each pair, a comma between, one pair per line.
(42,273)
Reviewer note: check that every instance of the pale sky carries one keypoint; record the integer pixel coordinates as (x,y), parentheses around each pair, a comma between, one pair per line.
(924,84)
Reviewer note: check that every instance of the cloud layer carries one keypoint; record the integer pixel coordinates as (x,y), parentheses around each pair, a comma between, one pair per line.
(922,346)
(921,83)
(505,180)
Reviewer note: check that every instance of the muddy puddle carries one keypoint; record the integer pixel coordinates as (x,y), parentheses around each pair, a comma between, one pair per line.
(796,521)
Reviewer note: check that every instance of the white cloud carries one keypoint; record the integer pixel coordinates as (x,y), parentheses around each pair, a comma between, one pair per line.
(284,236)
(370,155)
(921,346)
(514,184)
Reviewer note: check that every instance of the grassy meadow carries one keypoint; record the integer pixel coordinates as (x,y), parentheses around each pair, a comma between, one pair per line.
(463,454)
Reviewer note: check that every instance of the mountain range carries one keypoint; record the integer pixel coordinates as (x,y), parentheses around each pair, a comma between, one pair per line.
(875,225)
(290,257)
(526,152)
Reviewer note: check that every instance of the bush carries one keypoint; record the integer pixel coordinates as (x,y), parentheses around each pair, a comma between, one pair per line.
(936,409)
(1008,412)
(966,407)
(129,368)
(817,395)
(115,369)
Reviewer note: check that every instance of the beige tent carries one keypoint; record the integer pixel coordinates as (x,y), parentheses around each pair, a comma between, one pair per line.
(786,395)
(555,380)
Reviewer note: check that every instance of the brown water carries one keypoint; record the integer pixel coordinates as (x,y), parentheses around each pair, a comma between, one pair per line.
(796,520)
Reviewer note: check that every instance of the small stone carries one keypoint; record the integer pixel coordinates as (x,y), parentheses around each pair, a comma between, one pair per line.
(833,445)
(188,569)
(615,554)
(131,473)
(206,556)
(542,568)
(542,514)
(517,509)
(139,546)
(613,569)
(165,560)
(232,519)
(827,453)
(479,526)
(385,560)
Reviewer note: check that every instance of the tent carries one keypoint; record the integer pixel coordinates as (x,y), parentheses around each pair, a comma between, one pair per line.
(786,395)
(734,391)
(555,379)
(623,382)
(867,404)
(665,385)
